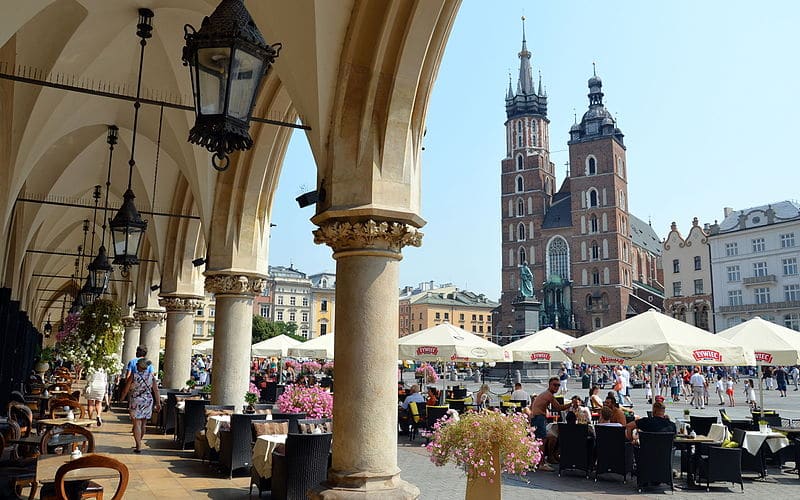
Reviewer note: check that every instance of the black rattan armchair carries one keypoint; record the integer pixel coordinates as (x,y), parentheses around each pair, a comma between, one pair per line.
(721,464)
(236,450)
(654,460)
(615,453)
(701,425)
(303,465)
(750,463)
(292,418)
(574,448)
(194,419)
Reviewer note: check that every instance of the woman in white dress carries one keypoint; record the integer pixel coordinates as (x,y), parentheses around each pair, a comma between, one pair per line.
(96,386)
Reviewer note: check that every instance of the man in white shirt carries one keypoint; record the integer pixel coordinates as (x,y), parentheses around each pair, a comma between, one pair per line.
(795,373)
(625,376)
(520,395)
(698,382)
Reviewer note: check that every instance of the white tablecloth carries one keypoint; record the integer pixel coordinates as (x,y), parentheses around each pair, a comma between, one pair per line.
(262,453)
(214,424)
(754,439)
(718,432)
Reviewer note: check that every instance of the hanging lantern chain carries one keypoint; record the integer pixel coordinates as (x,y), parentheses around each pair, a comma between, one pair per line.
(158,153)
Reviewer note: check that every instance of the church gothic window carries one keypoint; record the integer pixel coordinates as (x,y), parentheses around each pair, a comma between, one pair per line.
(593,224)
(521,232)
(520,164)
(520,208)
(558,258)
(595,276)
(519,134)
(595,251)
(591,166)
(520,184)
(522,257)
(592,198)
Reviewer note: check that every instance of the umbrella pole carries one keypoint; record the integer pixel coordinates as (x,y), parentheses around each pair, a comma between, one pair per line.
(760,390)
(653,381)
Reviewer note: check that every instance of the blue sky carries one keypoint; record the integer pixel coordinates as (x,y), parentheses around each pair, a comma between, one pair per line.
(704,91)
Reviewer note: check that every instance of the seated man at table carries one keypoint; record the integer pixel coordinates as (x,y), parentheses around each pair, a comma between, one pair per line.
(519,394)
(618,415)
(413,397)
(607,417)
(659,422)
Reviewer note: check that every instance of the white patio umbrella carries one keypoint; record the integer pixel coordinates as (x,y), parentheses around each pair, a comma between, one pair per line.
(319,347)
(772,344)
(446,342)
(275,346)
(541,346)
(206,347)
(653,337)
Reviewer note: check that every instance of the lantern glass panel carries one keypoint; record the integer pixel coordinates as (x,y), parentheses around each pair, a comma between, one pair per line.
(120,240)
(245,75)
(213,65)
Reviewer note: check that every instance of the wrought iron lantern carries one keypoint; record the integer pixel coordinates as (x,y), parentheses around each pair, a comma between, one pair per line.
(87,295)
(48,327)
(100,269)
(227,58)
(127,229)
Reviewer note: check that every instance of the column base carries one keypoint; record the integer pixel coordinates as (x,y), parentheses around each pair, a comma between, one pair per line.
(364,486)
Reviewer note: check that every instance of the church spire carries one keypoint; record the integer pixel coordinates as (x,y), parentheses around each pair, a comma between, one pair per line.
(525,83)
(510,93)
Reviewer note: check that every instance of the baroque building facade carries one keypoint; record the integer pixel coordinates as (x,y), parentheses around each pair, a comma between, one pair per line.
(687,276)
(754,259)
(427,306)
(594,263)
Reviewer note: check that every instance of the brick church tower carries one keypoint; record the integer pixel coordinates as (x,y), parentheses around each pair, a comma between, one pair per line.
(601,240)
(593,262)
(527,185)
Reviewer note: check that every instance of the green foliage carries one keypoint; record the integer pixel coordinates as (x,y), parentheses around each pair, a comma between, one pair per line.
(264,329)
(96,339)
(47,354)
(250,398)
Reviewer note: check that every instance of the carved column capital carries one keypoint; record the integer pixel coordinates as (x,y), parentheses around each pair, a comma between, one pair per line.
(176,304)
(367,236)
(234,283)
(130,322)
(151,316)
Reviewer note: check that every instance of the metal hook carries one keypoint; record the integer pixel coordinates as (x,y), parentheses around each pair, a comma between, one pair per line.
(220,167)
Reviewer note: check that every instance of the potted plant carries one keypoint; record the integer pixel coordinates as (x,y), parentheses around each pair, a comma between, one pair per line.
(251,398)
(43,364)
(763,426)
(190,384)
(315,402)
(205,391)
(485,444)
(427,374)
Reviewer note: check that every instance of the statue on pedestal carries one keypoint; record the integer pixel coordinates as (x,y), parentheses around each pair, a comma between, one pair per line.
(525,281)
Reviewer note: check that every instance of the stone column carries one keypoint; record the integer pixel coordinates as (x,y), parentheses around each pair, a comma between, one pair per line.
(233,331)
(152,322)
(178,349)
(130,340)
(367,258)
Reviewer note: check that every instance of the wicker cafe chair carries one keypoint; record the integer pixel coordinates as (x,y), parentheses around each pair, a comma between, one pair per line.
(193,420)
(292,418)
(65,489)
(236,446)
(573,448)
(721,464)
(615,454)
(701,425)
(417,418)
(654,460)
(750,463)
(303,465)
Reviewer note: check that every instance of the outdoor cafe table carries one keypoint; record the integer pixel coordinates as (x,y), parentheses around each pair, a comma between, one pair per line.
(754,439)
(47,466)
(214,425)
(55,441)
(262,453)
(51,422)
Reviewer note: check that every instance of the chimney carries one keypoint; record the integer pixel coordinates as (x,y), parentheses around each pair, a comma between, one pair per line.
(727,211)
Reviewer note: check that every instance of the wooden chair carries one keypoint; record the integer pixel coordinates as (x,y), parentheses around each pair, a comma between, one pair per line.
(87,447)
(63,489)
(60,386)
(22,415)
(57,408)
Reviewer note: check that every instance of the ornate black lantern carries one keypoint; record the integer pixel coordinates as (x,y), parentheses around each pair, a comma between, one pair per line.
(100,269)
(227,58)
(48,327)
(87,295)
(127,229)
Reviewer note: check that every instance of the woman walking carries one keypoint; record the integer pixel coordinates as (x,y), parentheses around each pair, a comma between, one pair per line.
(96,385)
(144,397)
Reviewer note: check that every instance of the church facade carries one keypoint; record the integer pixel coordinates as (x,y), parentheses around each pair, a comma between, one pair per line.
(593,262)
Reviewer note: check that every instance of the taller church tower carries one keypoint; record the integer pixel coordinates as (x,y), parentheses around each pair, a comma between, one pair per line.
(527,184)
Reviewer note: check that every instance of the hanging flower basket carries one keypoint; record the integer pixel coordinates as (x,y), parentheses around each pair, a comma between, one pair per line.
(427,374)
(92,339)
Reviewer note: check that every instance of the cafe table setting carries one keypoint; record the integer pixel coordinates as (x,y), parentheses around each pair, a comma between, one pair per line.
(214,425)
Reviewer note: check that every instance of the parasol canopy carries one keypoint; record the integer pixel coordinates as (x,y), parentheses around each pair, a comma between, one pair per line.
(541,346)
(275,346)
(447,342)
